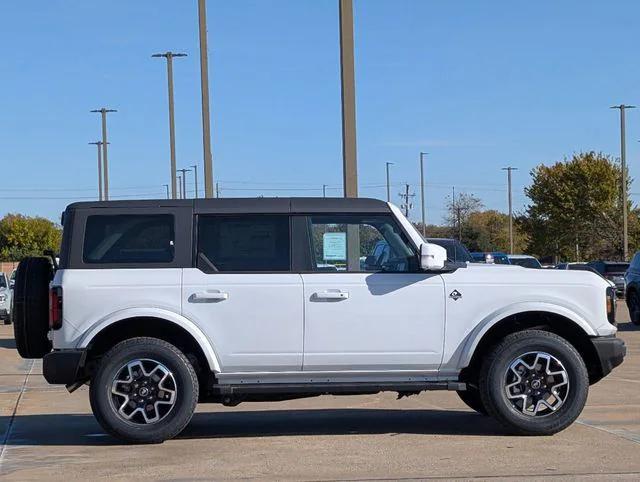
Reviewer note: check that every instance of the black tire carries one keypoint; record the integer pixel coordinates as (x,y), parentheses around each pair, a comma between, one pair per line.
(633,303)
(7,321)
(471,398)
(30,307)
(186,391)
(494,395)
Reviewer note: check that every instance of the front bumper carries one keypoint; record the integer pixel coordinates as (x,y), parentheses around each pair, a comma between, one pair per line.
(611,352)
(63,367)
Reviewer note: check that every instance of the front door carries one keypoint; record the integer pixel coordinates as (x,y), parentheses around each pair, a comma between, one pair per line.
(367,305)
(243,295)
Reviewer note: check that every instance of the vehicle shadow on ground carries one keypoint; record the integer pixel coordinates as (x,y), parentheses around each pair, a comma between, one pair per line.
(82,429)
(628,327)
(8,343)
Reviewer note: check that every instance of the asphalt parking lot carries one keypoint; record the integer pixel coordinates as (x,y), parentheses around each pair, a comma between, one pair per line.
(50,434)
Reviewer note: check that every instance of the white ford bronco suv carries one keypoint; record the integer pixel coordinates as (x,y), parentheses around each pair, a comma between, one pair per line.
(159,305)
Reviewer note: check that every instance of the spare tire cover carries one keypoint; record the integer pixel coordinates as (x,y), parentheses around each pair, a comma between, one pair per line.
(31,307)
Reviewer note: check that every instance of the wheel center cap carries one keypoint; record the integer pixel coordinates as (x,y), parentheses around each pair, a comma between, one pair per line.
(535,384)
(144,391)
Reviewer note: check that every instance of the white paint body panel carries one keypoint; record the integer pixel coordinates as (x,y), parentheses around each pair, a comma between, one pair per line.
(390,321)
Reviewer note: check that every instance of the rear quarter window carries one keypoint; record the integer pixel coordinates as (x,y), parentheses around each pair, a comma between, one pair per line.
(129,238)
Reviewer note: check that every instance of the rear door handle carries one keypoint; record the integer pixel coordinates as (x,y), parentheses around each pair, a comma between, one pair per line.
(336,295)
(208,297)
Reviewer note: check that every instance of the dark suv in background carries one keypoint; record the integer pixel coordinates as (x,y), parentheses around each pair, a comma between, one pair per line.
(613,271)
(632,289)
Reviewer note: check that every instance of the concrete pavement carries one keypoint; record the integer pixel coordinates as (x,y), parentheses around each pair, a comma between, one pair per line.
(46,433)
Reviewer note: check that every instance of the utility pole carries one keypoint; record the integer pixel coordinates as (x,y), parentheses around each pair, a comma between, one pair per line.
(509,169)
(388,183)
(406,200)
(184,182)
(217,189)
(324,190)
(100,182)
(105,162)
(167,186)
(195,176)
(623,166)
(179,186)
(172,129)
(204,87)
(422,201)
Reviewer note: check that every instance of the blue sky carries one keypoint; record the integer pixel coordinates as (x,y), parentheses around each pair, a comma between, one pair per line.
(478,85)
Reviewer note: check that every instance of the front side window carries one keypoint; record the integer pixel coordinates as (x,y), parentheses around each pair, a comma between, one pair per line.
(244,243)
(360,244)
(129,238)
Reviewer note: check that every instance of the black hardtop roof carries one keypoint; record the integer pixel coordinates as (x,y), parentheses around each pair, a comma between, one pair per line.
(248,205)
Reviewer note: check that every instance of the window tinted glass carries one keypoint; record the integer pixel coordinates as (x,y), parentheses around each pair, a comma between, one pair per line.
(456,251)
(126,238)
(616,268)
(3,280)
(526,262)
(381,245)
(243,243)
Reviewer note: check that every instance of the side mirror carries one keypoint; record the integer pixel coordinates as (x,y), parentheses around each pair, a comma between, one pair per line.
(432,256)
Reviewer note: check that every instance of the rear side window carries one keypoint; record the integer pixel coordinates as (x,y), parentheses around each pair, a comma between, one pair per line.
(129,238)
(244,243)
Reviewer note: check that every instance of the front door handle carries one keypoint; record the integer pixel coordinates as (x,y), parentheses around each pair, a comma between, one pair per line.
(208,297)
(331,295)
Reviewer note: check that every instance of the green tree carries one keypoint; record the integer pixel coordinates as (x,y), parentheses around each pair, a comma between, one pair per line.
(575,211)
(22,236)
(489,231)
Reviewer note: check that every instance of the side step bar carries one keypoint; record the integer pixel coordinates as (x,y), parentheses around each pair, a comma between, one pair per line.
(338,388)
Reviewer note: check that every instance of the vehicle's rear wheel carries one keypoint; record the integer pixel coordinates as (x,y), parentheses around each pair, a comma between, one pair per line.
(145,391)
(534,383)
(633,302)
(30,307)
(471,398)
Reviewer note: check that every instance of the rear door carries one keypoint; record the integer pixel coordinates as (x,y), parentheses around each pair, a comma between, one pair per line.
(361,316)
(243,294)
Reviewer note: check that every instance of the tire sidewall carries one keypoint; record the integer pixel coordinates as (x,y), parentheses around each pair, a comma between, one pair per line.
(176,419)
(495,397)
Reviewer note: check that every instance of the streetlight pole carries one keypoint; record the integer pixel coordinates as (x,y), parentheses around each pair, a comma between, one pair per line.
(324,190)
(509,169)
(388,183)
(184,182)
(99,145)
(172,130)
(195,175)
(623,166)
(424,217)
(105,162)
(167,186)
(204,87)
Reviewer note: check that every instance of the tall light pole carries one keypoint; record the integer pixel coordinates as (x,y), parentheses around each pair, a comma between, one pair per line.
(324,190)
(195,176)
(509,169)
(167,186)
(388,183)
(105,160)
(100,182)
(184,182)
(204,87)
(623,166)
(422,202)
(172,129)
(347,77)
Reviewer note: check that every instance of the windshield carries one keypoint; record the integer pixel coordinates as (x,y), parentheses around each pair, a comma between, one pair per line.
(456,251)
(616,268)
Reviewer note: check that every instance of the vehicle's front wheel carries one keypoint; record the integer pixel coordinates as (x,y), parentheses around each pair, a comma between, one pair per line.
(471,398)
(534,383)
(145,391)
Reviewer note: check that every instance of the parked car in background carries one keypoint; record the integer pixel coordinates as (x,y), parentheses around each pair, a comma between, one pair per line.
(632,289)
(524,260)
(5,299)
(613,271)
(456,251)
(497,257)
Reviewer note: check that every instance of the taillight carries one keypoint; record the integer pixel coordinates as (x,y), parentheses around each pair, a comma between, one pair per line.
(55,308)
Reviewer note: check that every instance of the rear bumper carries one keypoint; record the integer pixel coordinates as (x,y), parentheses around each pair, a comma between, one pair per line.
(63,367)
(611,352)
